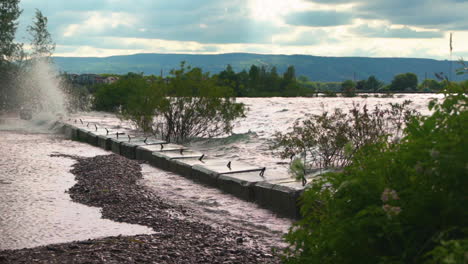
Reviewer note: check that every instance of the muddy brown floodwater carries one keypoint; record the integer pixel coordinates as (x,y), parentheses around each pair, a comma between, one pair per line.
(34,208)
(216,208)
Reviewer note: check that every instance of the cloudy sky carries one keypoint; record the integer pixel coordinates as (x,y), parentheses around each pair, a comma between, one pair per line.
(371,28)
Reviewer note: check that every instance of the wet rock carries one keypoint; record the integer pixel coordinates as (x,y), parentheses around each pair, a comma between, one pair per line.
(51,248)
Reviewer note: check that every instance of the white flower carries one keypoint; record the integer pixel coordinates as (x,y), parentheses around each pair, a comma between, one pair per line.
(388,194)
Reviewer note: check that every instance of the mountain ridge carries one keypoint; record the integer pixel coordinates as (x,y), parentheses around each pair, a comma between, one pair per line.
(316,68)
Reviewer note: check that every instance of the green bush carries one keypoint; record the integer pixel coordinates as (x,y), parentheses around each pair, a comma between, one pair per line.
(328,93)
(189,103)
(141,103)
(110,97)
(404,82)
(196,106)
(348,88)
(400,202)
(330,140)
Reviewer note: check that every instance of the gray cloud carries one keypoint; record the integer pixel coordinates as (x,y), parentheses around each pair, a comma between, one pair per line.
(210,21)
(309,37)
(221,22)
(387,32)
(319,18)
(439,14)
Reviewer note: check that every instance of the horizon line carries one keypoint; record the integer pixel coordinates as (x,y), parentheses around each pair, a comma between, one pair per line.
(249,53)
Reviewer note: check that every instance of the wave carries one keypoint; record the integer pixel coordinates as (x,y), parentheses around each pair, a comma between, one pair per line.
(234,138)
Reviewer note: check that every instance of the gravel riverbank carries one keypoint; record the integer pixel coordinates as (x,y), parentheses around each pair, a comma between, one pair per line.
(110,182)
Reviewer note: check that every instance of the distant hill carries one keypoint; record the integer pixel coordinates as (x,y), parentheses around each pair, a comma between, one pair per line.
(316,68)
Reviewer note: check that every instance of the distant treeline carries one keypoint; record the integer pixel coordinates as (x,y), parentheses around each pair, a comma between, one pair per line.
(263,81)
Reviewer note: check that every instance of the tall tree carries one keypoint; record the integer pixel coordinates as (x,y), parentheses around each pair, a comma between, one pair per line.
(9,13)
(290,74)
(348,88)
(361,85)
(289,79)
(254,79)
(273,83)
(404,82)
(243,78)
(42,43)
(372,84)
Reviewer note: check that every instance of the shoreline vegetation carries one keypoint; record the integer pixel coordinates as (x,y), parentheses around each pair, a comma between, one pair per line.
(266,81)
(393,201)
(191,103)
(110,182)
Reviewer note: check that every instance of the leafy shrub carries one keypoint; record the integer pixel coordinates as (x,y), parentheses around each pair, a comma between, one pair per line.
(298,169)
(404,82)
(328,93)
(330,140)
(110,97)
(142,101)
(188,104)
(449,252)
(133,97)
(195,106)
(348,88)
(401,202)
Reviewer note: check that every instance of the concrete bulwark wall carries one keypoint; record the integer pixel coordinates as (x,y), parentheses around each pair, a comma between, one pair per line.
(278,193)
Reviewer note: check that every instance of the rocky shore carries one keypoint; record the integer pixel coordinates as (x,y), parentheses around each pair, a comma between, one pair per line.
(110,182)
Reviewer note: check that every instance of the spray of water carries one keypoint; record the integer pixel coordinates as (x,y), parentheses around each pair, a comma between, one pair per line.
(39,90)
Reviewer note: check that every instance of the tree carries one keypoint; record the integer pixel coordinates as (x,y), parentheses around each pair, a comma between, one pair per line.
(142,100)
(9,14)
(41,42)
(229,78)
(431,85)
(254,79)
(289,77)
(194,105)
(243,83)
(404,82)
(111,97)
(360,85)
(290,74)
(372,84)
(272,82)
(348,88)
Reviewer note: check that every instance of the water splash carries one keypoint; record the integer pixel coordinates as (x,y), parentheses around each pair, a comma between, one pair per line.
(40,89)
